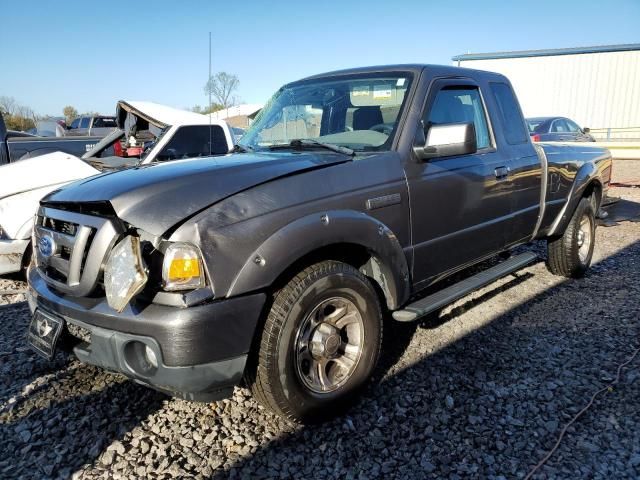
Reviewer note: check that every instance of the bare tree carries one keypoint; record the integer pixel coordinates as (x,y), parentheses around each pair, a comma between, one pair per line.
(16,116)
(70,113)
(8,105)
(222,87)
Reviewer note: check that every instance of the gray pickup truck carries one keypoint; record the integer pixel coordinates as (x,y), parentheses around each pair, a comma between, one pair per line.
(16,146)
(352,196)
(98,126)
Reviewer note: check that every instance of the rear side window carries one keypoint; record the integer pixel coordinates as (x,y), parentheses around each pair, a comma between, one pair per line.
(559,126)
(573,128)
(460,105)
(104,122)
(514,130)
(190,142)
(84,122)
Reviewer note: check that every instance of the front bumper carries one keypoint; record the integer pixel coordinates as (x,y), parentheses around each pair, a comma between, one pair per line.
(200,351)
(11,255)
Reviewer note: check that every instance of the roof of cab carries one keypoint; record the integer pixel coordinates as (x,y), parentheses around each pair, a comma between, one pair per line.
(414,68)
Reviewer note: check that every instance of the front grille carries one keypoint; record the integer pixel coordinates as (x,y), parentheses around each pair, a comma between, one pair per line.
(70,248)
(60,226)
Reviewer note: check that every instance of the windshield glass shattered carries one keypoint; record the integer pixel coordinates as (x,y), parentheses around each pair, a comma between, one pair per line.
(358,112)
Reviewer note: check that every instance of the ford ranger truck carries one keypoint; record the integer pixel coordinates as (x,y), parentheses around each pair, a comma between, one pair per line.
(351,196)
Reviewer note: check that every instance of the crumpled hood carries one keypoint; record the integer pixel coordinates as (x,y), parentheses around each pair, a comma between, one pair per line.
(156,197)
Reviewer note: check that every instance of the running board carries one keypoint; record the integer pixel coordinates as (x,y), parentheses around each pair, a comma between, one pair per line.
(444,297)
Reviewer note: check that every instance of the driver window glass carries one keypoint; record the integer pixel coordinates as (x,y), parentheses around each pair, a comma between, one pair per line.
(75,123)
(460,105)
(190,142)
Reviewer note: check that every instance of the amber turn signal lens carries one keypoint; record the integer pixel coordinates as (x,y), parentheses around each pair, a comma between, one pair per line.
(184,268)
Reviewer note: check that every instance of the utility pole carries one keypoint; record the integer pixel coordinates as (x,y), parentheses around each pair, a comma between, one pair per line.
(209,79)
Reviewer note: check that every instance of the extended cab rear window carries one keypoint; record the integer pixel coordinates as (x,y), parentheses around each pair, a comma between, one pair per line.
(512,121)
(105,122)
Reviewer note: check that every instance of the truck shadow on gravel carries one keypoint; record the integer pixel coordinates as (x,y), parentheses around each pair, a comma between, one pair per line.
(492,402)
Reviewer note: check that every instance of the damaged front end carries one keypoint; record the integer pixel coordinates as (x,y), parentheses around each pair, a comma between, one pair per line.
(134,303)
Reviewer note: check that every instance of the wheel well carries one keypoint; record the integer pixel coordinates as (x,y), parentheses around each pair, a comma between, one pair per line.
(352,254)
(595,189)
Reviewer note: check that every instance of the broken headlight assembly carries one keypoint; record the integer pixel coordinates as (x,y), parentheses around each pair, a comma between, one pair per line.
(125,273)
(182,267)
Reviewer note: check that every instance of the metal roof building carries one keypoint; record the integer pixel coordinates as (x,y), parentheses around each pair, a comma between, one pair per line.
(599,87)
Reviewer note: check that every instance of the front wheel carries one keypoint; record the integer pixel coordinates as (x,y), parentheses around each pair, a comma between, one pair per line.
(570,255)
(320,343)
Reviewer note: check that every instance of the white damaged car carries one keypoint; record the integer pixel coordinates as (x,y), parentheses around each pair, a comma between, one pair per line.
(147,132)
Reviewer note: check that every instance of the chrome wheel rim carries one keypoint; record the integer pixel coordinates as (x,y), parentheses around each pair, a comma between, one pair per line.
(584,238)
(328,345)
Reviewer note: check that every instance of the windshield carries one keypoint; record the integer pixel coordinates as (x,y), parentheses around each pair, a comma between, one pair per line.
(360,112)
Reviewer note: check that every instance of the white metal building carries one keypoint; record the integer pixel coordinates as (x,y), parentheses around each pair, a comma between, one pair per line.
(598,87)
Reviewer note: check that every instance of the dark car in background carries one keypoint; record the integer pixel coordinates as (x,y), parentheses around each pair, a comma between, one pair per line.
(557,129)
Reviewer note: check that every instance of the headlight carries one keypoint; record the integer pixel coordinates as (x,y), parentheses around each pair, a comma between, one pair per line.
(124,273)
(182,267)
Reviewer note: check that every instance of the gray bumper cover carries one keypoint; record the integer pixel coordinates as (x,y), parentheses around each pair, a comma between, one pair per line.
(121,349)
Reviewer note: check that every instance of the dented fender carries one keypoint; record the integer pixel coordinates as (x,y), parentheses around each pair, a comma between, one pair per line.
(387,265)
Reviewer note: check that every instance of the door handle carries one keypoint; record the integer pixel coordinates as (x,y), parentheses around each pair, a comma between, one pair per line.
(502,173)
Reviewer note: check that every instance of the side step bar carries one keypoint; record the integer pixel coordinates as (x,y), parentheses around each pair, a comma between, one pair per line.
(444,297)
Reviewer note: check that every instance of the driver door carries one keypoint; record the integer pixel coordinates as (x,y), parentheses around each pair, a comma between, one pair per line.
(460,205)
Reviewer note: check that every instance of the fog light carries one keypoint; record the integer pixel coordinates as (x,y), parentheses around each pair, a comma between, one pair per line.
(150,356)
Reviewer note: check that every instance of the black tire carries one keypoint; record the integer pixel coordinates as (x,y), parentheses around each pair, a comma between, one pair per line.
(278,378)
(566,255)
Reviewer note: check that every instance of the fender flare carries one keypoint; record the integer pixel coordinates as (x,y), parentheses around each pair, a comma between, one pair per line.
(587,175)
(387,264)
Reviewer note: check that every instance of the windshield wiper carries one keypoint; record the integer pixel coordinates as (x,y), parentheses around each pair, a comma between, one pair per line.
(237,148)
(301,143)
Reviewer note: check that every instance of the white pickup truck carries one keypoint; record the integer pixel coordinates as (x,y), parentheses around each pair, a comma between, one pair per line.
(147,132)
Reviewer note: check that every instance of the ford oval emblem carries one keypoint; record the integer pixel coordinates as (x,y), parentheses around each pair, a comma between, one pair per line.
(46,246)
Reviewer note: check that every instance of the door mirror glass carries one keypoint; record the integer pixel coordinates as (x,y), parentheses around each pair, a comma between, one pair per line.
(586,130)
(448,140)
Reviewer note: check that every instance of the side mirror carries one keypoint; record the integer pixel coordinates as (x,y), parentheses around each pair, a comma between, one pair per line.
(448,140)
(586,130)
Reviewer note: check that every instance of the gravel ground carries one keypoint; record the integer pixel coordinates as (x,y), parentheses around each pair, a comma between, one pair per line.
(480,390)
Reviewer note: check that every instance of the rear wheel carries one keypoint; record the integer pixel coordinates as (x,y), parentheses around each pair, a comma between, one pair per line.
(320,343)
(570,255)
